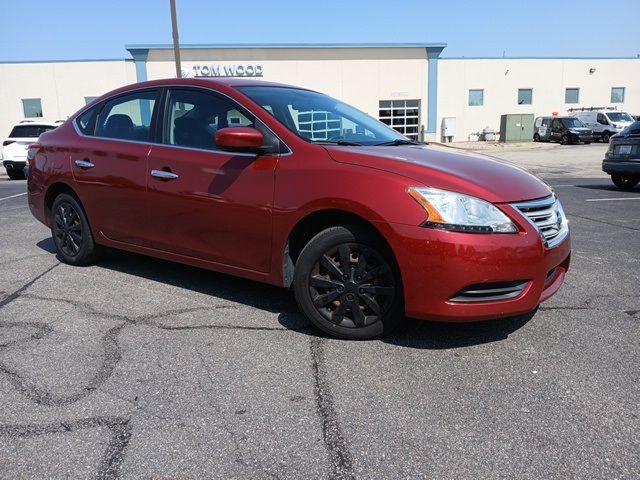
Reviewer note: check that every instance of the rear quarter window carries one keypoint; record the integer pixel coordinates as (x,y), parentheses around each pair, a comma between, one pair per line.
(87,121)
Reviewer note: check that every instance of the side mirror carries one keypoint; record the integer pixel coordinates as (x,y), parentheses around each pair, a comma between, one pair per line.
(239,139)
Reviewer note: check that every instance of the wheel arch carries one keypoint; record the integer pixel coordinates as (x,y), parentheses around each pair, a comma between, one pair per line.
(315,222)
(52,192)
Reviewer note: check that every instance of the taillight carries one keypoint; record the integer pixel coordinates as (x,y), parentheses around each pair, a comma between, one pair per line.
(32,150)
(7,142)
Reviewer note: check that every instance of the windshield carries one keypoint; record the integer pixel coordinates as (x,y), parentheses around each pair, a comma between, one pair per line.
(572,123)
(318,118)
(619,117)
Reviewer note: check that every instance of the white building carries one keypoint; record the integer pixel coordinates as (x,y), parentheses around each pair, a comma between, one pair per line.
(409,86)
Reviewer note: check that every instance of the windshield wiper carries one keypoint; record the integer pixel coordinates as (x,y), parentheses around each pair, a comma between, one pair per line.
(398,141)
(338,142)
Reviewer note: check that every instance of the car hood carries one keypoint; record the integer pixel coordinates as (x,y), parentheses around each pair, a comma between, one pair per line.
(449,169)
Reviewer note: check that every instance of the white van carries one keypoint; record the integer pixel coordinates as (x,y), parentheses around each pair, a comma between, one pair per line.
(604,122)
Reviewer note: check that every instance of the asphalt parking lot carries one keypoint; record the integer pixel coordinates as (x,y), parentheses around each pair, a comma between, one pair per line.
(140,368)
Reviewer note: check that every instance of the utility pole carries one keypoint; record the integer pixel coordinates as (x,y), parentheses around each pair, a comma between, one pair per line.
(176,41)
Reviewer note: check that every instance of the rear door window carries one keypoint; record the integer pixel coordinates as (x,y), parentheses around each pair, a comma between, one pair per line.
(128,117)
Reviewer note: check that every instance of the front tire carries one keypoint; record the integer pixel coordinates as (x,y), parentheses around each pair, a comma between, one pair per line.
(626,183)
(347,283)
(564,140)
(71,232)
(536,137)
(605,137)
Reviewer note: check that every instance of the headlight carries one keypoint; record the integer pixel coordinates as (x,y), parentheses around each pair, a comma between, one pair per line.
(460,213)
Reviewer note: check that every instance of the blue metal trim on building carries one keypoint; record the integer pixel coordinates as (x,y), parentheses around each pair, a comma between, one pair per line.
(140,56)
(432,89)
(164,46)
(540,58)
(84,60)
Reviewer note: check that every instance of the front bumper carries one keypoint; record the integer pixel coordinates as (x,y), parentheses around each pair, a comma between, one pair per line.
(437,266)
(588,137)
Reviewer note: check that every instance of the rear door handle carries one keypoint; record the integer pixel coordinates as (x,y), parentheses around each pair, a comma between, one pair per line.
(163,175)
(84,164)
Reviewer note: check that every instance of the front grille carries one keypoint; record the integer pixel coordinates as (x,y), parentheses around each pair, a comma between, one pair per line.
(548,218)
(489,292)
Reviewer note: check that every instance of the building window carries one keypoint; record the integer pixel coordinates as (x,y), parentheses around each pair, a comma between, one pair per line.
(572,95)
(32,107)
(617,95)
(402,115)
(476,98)
(318,124)
(88,100)
(525,96)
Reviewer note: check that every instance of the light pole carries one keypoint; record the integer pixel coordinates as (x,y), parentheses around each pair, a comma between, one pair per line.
(176,41)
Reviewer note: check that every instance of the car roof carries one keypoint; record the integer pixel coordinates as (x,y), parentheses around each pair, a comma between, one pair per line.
(217,81)
(39,123)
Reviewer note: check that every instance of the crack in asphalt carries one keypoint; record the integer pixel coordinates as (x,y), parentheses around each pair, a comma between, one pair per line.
(42,330)
(12,296)
(113,456)
(40,396)
(111,356)
(334,441)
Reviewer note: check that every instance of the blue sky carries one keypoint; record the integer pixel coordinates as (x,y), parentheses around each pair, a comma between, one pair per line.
(72,29)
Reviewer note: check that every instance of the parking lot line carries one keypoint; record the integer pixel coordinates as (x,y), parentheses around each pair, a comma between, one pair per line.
(13,196)
(611,199)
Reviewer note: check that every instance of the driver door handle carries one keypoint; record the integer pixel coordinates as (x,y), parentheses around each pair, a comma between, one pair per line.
(163,175)
(84,164)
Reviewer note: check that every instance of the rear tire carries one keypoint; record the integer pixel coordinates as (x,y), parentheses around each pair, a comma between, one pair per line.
(71,232)
(347,283)
(15,174)
(625,182)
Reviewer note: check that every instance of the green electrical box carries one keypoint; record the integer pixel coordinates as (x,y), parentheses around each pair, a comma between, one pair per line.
(516,127)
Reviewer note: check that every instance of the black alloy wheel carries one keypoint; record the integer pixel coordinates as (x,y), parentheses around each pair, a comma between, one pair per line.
(625,182)
(71,233)
(347,284)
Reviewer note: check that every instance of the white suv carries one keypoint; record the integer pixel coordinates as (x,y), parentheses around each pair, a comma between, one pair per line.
(14,148)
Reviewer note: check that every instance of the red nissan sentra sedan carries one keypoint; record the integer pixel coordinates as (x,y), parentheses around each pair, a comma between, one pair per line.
(291,187)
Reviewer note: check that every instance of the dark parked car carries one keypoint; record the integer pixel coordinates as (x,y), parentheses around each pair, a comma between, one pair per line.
(622,160)
(568,130)
(294,188)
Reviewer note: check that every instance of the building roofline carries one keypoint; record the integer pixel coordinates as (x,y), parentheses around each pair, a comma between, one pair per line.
(193,46)
(83,60)
(539,58)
